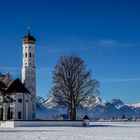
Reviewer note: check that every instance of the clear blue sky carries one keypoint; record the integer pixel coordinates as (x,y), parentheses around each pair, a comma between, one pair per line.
(105,33)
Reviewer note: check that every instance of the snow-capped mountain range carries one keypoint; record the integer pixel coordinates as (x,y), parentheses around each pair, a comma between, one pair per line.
(94,107)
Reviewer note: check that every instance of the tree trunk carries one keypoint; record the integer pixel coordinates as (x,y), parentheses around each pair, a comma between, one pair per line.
(72,114)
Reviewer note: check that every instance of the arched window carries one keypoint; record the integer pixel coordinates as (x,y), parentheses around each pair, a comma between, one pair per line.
(19,115)
(8,117)
(1,113)
(25,54)
(11,115)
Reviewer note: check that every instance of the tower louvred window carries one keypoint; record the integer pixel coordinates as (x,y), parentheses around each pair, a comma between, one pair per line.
(25,54)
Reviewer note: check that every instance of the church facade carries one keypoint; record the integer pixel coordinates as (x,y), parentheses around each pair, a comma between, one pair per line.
(18,98)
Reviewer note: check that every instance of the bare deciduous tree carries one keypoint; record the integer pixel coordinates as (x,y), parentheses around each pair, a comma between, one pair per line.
(72,83)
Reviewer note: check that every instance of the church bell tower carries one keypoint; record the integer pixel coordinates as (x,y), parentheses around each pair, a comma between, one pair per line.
(29,70)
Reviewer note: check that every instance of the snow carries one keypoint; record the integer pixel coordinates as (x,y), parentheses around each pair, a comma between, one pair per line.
(95,107)
(137,105)
(50,103)
(117,103)
(98,131)
(100,101)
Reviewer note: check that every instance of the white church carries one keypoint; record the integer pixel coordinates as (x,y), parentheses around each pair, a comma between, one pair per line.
(18,98)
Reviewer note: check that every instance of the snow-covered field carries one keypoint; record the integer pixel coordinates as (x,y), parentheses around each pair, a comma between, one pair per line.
(98,131)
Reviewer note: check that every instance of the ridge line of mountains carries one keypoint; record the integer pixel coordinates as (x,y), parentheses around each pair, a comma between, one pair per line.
(94,107)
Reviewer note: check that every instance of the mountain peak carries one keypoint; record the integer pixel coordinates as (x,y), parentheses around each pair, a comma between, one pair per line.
(117,103)
(94,107)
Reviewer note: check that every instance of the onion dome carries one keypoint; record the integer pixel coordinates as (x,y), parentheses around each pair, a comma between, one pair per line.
(28,38)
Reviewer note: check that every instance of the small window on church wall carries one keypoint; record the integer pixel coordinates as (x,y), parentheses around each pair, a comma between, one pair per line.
(19,115)
(20,100)
(30,54)
(25,54)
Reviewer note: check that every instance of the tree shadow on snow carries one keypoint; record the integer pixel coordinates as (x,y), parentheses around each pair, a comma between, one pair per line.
(28,131)
(101,125)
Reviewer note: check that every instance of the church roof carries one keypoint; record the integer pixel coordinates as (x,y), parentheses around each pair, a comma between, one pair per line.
(28,39)
(16,86)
